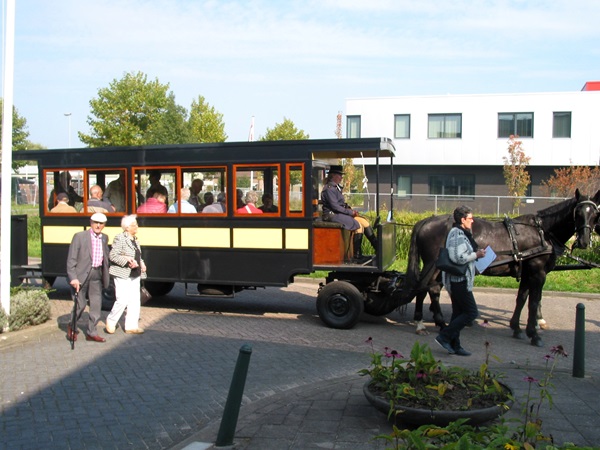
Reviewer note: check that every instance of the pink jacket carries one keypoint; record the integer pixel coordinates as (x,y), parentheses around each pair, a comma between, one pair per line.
(153,206)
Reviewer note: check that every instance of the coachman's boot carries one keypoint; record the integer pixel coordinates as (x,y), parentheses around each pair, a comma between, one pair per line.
(357,244)
(371,237)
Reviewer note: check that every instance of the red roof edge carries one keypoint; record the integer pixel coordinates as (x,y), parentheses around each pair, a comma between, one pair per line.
(591,86)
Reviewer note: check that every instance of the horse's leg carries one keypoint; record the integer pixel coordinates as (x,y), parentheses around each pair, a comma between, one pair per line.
(541,323)
(535,298)
(522,295)
(418,317)
(435,308)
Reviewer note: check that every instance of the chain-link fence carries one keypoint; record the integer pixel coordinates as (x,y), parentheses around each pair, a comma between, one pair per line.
(439,204)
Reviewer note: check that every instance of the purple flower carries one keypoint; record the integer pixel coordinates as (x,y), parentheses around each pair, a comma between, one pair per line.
(485,324)
(559,350)
(548,357)
(369,340)
(530,379)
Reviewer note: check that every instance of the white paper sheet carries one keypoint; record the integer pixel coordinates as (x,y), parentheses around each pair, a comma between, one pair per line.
(483,263)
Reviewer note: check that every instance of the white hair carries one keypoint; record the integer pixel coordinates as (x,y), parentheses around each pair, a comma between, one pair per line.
(126,221)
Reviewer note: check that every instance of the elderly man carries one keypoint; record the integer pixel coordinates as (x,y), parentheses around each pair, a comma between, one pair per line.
(63,204)
(87,272)
(96,204)
(335,209)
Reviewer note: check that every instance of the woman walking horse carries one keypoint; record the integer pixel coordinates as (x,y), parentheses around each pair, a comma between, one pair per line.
(527,248)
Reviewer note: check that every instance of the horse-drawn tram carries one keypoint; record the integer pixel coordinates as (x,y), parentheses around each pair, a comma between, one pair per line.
(229,250)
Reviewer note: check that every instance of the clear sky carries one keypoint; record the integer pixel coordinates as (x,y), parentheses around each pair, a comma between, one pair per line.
(295,59)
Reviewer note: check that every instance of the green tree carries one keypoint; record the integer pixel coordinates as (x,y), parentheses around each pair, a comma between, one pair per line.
(135,111)
(19,133)
(284,131)
(206,123)
(515,171)
(172,127)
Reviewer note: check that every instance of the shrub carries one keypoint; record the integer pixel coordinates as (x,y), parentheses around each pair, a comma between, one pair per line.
(3,320)
(28,307)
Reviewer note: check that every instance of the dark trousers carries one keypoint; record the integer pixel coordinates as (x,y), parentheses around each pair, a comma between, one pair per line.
(464,311)
(91,290)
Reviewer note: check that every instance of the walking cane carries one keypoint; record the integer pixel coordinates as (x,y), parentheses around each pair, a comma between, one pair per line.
(73,335)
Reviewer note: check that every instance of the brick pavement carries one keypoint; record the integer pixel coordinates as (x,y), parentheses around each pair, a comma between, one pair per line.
(167,388)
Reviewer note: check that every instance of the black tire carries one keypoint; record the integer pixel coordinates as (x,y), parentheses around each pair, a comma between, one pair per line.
(158,288)
(340,305)
(379,305)
(48,282)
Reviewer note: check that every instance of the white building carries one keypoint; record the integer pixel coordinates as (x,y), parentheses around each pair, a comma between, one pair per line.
(455,144)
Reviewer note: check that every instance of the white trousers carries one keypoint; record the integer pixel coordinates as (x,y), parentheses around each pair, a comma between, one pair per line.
(127,291)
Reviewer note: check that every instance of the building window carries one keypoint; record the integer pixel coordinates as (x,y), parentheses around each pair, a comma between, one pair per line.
(515,124)
(402,126)
(404,186)
(444,126)
(561,125)
(353,127)
(460,185)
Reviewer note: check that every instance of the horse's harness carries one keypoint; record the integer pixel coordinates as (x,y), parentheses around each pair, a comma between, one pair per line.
(545,247)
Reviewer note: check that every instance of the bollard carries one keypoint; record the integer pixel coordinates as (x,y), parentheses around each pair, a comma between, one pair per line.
(579,347)
(234,398)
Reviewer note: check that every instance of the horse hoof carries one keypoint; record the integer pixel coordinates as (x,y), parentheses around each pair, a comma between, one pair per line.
(518,335)
(543,325)
(537,342)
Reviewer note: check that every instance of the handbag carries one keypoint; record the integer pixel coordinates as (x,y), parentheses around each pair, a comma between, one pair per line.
(145,295)
(445,264)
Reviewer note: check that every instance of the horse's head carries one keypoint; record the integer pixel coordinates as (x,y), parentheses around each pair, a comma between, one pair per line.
(585,216)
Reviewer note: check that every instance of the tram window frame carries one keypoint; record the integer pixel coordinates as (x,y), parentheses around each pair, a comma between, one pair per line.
(170,176)
(275,187)
(290,201)
(51,177)
(108,175)
(205,173)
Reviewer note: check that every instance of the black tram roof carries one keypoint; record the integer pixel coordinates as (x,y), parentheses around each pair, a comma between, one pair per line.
(223,152)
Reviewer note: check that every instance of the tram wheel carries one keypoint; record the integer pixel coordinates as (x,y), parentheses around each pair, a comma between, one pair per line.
(340,305)
(158,288)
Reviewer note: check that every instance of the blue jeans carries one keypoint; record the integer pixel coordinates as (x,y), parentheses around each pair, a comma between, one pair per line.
(464,311)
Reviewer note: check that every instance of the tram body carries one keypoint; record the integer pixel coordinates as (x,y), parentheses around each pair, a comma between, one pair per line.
(224,253)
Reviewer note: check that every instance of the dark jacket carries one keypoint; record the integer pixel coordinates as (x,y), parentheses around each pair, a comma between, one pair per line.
(335,208)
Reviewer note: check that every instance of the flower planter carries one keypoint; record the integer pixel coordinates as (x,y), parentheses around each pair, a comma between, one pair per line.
(416,416)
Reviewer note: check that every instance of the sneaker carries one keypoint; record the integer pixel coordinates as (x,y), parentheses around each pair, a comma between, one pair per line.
(135,331)
(444,344)
(462,352)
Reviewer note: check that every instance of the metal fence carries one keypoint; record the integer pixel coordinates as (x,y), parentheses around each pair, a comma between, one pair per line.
(497,205)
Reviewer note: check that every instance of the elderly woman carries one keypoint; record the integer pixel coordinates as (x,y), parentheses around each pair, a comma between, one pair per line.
(250,206)
(128,268)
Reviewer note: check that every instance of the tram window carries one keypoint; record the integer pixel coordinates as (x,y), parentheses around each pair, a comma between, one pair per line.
(207,186)
(295,188)
(156,179)
(318,183)
(68,181)
(114,189)
(261,180)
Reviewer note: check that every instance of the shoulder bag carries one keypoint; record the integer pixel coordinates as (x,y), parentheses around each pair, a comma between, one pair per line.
(445,264)
(145,295)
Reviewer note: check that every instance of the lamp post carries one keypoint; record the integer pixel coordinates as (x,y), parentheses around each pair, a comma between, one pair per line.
(68,115)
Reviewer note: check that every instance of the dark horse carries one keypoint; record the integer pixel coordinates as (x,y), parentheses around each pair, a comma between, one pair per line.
(526,247)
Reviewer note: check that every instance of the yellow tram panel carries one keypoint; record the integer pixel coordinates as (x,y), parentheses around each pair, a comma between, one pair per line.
(206,237)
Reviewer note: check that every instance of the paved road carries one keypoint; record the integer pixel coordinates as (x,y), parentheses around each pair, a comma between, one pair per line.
(156,390)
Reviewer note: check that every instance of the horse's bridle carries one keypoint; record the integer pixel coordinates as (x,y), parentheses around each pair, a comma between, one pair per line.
(586,225)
